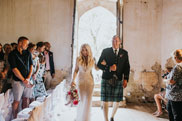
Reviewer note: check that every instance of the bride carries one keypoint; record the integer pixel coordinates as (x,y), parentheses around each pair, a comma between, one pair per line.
(84,64)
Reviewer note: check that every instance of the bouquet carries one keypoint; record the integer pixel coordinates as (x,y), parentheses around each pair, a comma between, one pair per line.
(72,96)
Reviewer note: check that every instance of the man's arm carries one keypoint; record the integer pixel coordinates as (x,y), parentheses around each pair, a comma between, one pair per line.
(30,66)
(30,72)
(18,74)
(102,59)
(126,68)
(52,65)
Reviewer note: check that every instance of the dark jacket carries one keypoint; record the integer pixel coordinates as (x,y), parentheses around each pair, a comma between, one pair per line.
(51,62)
(1,56)
(123,66)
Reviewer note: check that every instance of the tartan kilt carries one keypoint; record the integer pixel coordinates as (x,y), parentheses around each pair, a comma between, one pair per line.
(109,93)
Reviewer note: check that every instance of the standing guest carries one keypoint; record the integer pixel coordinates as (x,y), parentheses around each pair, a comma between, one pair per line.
(35,59)
(1,58)
(7,49)
(1,68)
(13,45)
(174,89)
(8,80)
(20,61)
(115,75)
(1,53)
(2,77)
(39,89)
(50,71)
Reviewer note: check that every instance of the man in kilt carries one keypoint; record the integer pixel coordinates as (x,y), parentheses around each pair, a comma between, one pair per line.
(115,75)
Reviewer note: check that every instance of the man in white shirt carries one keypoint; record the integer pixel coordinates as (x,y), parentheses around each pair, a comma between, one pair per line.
(50,71)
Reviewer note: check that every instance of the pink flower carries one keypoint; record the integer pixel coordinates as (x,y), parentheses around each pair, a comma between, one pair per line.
(75,91)
(69,93)
(75,102)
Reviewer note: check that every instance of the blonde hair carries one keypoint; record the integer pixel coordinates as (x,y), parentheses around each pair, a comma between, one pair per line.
(82,61)
(178,54)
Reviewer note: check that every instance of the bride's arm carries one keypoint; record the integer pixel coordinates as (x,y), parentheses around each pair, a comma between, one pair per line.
(95,65)
(75,72)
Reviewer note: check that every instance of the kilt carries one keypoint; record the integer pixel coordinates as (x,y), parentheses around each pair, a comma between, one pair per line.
(109,93)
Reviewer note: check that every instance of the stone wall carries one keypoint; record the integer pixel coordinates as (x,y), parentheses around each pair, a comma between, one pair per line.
(142,39)
(40,20)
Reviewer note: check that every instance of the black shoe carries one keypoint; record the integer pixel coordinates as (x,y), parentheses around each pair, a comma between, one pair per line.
(112,119)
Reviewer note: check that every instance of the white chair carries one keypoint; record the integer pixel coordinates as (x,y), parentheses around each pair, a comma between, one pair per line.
(25,113)
(1,105)
(7,107)
(37,113)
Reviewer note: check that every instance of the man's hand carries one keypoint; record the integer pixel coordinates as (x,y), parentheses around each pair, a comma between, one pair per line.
(25,82)
(125,83)
(113,67)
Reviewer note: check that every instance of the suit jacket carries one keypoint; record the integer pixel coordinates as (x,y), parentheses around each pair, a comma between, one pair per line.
(51,62)
(123,66)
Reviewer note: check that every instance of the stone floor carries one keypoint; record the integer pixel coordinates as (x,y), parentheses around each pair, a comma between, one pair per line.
(132,112)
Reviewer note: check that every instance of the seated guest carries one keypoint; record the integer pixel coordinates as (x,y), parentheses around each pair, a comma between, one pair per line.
(50,71)
(160,97)
(20,61)
(174,89)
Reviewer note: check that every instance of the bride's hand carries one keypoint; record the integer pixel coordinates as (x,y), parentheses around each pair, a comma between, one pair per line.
(73,83)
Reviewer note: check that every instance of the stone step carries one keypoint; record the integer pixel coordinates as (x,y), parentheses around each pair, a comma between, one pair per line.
(96,92)
(97,86)
(96,102)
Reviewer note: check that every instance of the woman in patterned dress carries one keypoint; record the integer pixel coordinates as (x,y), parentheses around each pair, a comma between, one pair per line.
(32,48)
(39,89)
(174,89)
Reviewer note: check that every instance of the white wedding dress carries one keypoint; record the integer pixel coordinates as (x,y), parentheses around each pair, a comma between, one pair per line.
(85,85)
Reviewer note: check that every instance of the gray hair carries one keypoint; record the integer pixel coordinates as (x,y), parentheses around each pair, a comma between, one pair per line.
(116,36)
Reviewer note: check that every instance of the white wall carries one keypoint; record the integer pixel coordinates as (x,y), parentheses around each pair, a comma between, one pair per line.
(39,20)
(142,40)
(142,32)
(171,28)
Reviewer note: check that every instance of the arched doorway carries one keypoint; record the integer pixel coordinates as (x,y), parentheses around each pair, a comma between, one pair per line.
(95,27)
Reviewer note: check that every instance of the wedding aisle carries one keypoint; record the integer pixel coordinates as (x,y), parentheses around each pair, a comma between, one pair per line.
(123,114)
(131,113)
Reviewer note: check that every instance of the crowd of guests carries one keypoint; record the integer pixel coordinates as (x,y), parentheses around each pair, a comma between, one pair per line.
(27,69)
